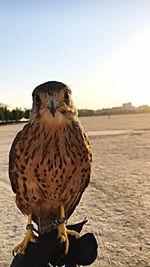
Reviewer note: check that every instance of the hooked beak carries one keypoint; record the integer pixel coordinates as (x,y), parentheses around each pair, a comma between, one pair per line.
(52,106)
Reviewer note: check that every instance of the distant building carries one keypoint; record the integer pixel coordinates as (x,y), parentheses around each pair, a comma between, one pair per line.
(127,106)
(104,111)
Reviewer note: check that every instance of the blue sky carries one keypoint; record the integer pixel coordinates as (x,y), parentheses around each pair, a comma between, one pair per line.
(101,49)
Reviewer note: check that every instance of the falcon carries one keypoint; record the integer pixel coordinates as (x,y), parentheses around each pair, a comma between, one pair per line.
(50,163)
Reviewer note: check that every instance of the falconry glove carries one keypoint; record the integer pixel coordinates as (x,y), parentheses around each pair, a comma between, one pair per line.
(49,252)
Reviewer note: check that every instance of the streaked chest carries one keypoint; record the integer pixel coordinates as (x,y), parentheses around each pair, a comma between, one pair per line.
(49,154)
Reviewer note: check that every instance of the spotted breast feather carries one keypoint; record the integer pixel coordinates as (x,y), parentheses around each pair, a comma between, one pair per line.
(49,167)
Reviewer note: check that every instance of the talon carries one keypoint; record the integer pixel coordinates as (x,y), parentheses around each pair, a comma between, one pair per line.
(63,232)
(21,248)
(29,237)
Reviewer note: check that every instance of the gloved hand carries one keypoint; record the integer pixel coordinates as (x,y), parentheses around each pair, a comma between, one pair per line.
(82,251)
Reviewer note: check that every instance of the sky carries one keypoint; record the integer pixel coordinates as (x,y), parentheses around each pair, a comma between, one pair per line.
(99,48)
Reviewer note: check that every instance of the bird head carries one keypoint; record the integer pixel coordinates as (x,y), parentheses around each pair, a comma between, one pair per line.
(52,99)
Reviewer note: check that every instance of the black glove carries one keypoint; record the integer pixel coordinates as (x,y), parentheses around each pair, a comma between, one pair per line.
(82,251)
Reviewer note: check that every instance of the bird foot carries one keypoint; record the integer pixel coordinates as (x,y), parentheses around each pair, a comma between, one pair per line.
(29,237)
(63,233)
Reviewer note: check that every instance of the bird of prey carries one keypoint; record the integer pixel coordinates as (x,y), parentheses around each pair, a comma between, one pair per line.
(50,163)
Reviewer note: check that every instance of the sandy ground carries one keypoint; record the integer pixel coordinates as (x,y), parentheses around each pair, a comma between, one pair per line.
(117,202)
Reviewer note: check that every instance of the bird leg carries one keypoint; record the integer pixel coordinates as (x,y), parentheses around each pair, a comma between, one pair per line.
(29,237)
(63,232)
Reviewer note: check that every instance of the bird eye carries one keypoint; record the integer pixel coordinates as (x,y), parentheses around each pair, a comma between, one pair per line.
(66,96)
(37,100)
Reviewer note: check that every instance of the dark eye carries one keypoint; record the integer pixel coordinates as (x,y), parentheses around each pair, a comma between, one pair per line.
(66,96)
(37,100)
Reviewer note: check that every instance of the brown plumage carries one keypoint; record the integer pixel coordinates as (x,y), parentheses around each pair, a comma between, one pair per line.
(50,159)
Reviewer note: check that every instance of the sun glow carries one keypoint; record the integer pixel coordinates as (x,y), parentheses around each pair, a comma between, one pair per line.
(124,76)
(133,69)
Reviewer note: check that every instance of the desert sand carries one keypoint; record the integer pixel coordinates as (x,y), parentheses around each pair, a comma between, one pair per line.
(117,201)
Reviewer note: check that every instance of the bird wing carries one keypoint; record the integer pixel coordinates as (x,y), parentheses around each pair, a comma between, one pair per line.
(12,159)
(83,177)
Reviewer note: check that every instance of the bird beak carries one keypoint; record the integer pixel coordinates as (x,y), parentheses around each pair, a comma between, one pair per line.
(52,106)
